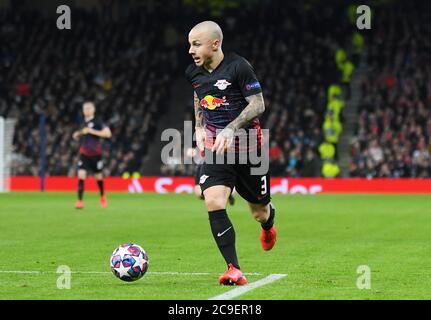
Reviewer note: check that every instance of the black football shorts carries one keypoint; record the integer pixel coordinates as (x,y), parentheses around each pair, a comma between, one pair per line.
(198,173)
(253,188)
(93,164)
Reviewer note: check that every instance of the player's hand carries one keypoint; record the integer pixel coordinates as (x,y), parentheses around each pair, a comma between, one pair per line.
(223,141)
(200,138)
(76,135)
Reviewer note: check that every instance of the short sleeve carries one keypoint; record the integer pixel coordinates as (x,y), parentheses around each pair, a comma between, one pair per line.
(101,124)
(247,80)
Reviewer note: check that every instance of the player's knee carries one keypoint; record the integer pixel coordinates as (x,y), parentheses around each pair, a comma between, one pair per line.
(215,203)
(259,217)
(82,174)
(260,213)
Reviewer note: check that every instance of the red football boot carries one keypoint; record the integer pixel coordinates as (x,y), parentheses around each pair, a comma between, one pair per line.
(79,204)
(103,202)
(268,238)
(232,276)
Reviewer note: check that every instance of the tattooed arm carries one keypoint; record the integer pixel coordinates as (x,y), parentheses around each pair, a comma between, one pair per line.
(198,112)
(256,106)
(199,125)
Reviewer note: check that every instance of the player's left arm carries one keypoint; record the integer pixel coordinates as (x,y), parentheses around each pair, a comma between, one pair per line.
(255,107)
(76,135)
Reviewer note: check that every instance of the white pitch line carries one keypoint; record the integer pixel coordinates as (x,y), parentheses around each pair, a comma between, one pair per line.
(25,272)
(245,288)
(107,272)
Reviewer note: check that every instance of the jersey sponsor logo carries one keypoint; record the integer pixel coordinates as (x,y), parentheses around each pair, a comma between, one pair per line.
(210,102)
(222,84)
(203,178)
(251,86)
(90,125)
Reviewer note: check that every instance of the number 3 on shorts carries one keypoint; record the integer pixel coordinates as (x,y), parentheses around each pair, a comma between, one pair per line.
(264,188)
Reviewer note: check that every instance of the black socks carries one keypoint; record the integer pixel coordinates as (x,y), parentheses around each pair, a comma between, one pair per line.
(80,189)
(268,224)
(224,235)
(101,189)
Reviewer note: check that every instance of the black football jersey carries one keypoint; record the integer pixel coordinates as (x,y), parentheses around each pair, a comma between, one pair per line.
(222,93)
(91,145)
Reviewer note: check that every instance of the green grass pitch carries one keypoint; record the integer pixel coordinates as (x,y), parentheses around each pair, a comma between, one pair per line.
(321,242)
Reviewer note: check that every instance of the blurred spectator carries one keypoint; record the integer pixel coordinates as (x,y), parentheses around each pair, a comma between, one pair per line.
(330,169)
(311,167)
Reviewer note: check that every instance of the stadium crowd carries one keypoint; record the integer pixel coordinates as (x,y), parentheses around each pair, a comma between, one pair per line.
(127,70)
(48,72)
(394,126)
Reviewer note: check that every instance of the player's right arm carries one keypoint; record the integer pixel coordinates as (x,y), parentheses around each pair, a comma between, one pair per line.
(199,123)
(77,134)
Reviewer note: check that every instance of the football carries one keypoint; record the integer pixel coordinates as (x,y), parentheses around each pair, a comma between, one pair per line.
(129,262)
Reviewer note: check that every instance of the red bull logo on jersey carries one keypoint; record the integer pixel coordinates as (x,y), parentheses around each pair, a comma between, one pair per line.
(210,102)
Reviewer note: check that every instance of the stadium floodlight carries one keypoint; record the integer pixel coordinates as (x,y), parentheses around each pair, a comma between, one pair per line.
(6,138)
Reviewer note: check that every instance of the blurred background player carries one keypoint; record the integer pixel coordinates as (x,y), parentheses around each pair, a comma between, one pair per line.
(90,150)
(199,159)
(227,97)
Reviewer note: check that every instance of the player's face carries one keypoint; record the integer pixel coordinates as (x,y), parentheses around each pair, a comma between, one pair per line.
(201,47)
(88,109)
